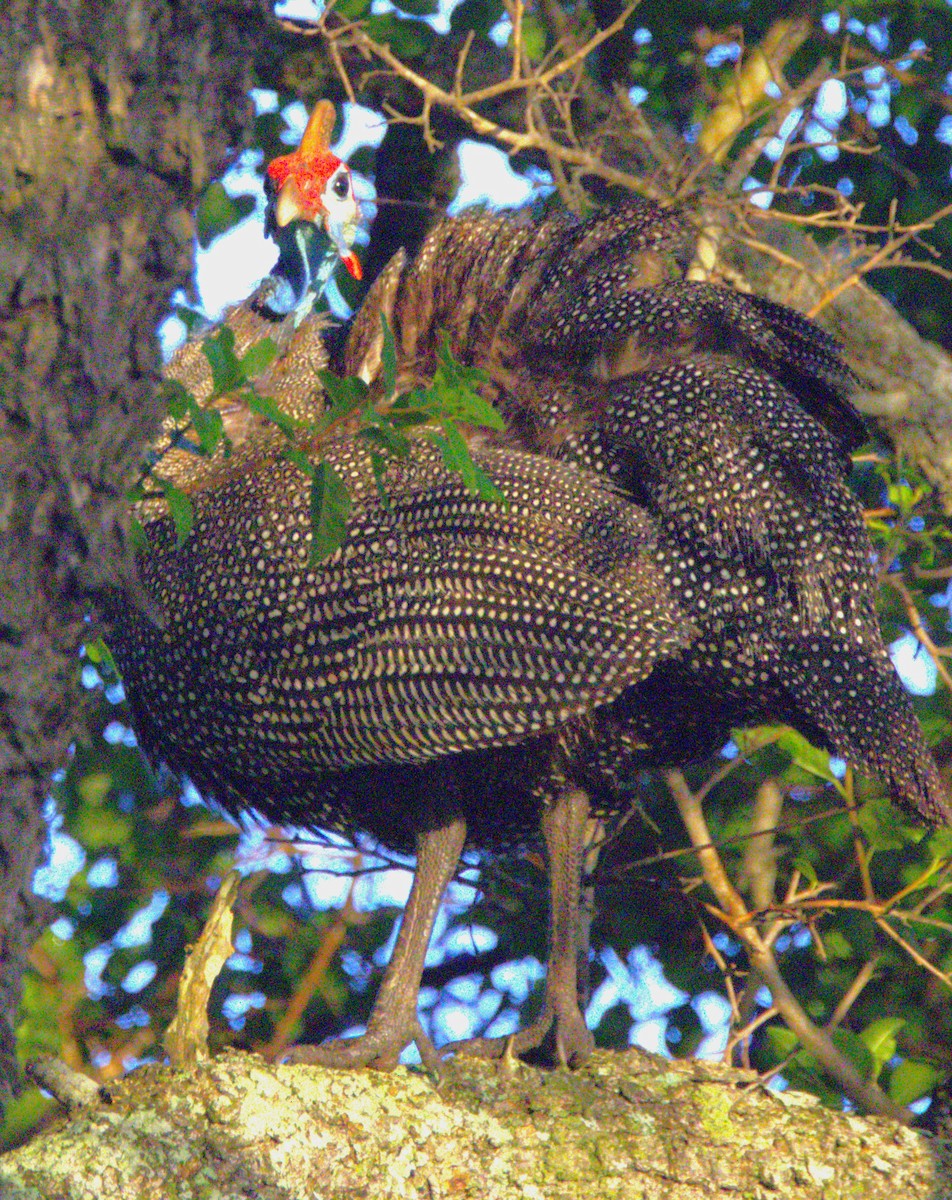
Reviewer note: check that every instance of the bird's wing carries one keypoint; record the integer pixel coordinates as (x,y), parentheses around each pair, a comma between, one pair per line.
(444,623)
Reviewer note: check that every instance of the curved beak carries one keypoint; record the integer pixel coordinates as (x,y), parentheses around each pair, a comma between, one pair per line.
(289,204)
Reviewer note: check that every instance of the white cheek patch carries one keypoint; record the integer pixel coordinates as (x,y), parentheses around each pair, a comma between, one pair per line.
(340,205)
(342,218)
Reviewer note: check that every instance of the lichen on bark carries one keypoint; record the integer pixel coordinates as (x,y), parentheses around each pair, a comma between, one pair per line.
(626,1126)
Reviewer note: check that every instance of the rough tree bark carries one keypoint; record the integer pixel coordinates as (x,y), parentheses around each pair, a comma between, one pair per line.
(626,1126)
(113,117)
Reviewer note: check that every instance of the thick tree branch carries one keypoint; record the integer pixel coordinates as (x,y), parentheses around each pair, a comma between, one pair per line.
(628,1125)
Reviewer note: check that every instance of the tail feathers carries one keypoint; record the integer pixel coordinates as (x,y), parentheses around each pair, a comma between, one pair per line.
(858,703)
(606,309)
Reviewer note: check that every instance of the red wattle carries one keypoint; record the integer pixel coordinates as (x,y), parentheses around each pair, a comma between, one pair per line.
(352,263)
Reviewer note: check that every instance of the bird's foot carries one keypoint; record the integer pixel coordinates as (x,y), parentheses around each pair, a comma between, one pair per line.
(555,1039)
(378,1048)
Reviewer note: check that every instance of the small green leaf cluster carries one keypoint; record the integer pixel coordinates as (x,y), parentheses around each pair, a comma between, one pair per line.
(386,427)
(452,400)
(872,1052)
(231,374)
(907,524)
(874,894)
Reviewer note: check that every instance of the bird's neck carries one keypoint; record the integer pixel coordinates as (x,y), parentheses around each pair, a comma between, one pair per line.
(306,263)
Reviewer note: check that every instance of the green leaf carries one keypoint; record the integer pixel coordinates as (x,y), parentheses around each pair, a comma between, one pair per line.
(330,508)
(218,212)
(405,37)
(94,787)
(880,1039)
(478,15)
(345,395)
(191,318)
(417,8)
(176,397)
(913,1079)
(386,438)
(469,406)
(452,370)
(806,869)
(940,844)
(457,457)
(352,9)
(99,653)
(780,1042)
(803,1070)
(413,408)
(487,490)
(856,1050)
(808,758)
(266,407)
(219,349)
(180,508)
(883,831)
(408,418)
(533,37)
(378,464)
(99,825)
(258,358)
(94,651)
(454,392)
(138,537)
(300,460)
(838,945)
(415,401)
(388,357)
(208,425)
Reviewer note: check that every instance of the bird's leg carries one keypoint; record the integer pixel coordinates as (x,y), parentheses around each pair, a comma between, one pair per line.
(564,827)
(560,1034)
(394,1022)
(594,840)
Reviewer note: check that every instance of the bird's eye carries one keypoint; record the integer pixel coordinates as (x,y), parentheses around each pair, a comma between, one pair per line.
(341,186)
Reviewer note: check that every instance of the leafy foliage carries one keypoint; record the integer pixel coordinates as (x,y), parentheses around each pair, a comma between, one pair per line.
(386,427)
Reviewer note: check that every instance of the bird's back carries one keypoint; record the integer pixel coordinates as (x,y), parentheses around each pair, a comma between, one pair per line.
(727,419)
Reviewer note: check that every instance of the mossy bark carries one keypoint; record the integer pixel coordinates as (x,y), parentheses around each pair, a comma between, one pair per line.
(626,1126)
(114,115)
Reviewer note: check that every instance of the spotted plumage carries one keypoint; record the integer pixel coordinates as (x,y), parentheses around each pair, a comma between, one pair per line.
(727,419)
(678,554)
(443,626)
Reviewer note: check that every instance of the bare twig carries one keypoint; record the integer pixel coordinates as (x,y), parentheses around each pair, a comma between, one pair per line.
(913,953)
(759,868)
(896,582)
(851,995)
(309,983)
(814,1039)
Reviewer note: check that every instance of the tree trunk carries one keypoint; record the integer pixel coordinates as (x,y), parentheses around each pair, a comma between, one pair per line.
(626,1125)
(113,117)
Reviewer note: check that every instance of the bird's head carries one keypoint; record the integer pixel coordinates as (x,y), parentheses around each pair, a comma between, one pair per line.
(312,184)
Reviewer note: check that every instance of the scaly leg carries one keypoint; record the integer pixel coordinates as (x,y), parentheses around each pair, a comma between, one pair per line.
(394,1022)
(560,1034)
